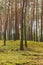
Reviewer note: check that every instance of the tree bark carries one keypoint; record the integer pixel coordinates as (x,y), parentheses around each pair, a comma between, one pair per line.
(21,43)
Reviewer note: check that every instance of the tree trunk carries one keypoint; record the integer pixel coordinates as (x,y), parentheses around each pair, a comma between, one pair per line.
(21,43)
(41,19)
(25,6)
(16,23)
(6,22)
(36,19)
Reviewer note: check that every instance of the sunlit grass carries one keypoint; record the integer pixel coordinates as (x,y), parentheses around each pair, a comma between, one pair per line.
(11,54)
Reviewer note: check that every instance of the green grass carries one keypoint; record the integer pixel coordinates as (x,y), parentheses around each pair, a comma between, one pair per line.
(11,55)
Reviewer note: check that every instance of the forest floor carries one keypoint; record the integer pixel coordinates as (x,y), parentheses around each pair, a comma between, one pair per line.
(11,55)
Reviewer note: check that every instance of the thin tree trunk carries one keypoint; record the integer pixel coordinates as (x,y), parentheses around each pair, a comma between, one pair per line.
(6,23)
(0,26)
(5,26)
(16,23)
(21,43)
(9,20)
(25,23)
(41,19)
(36,19)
